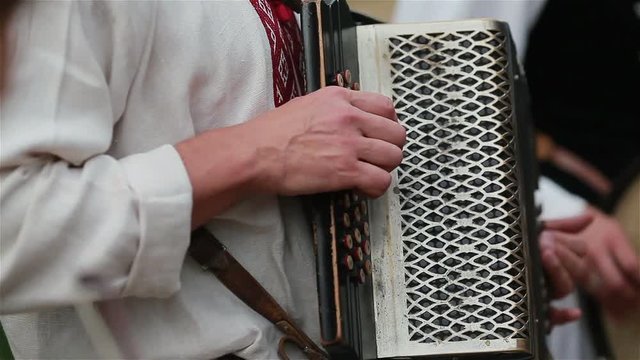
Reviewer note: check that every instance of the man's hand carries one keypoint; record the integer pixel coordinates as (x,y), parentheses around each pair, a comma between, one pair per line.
(333,139)
(600,259)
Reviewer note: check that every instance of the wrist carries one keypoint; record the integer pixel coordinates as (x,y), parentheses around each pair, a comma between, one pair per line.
(264,158)
(222,165)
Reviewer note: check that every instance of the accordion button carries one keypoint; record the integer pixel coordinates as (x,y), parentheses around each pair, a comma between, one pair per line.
(357,214)
(339,80)
(355,86)
(366,248)
(358,236)
(347,242)
(362,276)
(363,208)
(347,77)
(358,255)
(365,228)
(367,267)
(347,261)
(347,201)
(346,220)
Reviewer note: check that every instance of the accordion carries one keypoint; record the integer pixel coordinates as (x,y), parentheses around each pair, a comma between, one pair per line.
(445,264)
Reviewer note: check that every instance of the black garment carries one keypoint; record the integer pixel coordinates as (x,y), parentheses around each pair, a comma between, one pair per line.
(583,65)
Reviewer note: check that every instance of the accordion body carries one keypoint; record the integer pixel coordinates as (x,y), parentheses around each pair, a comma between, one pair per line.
(446,263)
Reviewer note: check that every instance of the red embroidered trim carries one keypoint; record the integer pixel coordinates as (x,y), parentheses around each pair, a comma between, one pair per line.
(286,48)
(283,12)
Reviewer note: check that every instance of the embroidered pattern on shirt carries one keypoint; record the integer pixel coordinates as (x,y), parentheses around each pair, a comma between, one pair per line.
(286,49)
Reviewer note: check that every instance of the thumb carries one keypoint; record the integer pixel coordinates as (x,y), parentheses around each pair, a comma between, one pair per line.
(570,225)
(563,316)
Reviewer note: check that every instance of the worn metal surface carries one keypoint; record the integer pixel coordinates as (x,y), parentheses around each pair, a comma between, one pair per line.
(448,245)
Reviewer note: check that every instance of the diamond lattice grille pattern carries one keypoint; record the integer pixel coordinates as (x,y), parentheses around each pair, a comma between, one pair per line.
(462,243)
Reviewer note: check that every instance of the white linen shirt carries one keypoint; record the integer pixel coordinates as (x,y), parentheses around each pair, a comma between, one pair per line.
(96,203)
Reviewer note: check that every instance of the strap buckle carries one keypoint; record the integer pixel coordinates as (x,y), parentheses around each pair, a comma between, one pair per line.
(292,336)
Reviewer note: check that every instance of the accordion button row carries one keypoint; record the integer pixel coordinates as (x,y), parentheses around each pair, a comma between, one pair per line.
(354,251)
(344,79)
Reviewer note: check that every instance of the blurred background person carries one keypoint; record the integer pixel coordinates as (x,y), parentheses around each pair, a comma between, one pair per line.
(585,98)
(585,95)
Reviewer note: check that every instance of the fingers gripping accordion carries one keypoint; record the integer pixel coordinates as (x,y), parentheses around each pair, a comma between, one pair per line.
(444,264)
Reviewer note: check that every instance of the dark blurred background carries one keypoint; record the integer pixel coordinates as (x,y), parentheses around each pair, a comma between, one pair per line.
(583,65)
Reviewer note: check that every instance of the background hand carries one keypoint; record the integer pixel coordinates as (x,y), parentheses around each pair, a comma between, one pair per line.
(609,268)
(563,260)
(557,259)
(616,279)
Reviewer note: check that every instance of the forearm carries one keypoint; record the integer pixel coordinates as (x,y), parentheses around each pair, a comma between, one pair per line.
(223,168)
(112,228)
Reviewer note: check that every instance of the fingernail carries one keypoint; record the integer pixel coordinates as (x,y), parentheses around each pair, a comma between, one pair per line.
(546,239)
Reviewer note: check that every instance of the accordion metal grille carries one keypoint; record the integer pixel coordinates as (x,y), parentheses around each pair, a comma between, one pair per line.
(460,219)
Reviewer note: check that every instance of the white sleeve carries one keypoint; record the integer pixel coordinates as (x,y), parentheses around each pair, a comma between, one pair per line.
(73,219)
(557,202)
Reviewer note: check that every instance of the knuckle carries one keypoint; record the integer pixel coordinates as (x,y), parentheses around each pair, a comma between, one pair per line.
(348,145)
(345,163)
(580,249)
(346,116)
(334,91)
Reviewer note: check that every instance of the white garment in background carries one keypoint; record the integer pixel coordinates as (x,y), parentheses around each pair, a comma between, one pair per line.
(93,190)
(571,341)
(520,14)
(556,202)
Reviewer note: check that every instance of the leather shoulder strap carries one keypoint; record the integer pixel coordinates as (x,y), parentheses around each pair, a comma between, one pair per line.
(212,256)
